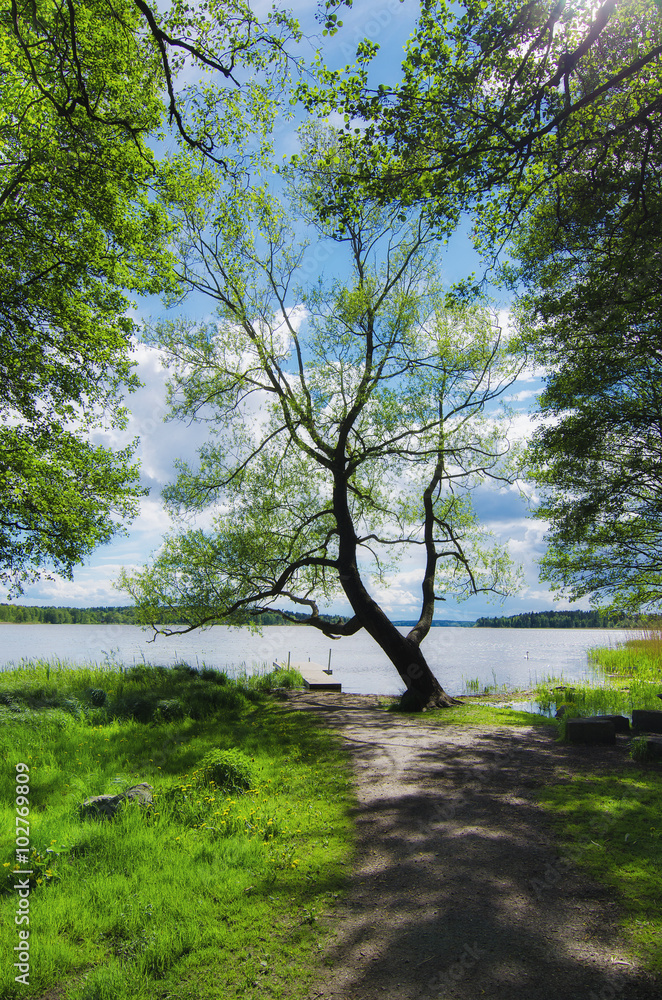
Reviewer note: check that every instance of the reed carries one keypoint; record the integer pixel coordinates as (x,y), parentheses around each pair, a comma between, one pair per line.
(640,657)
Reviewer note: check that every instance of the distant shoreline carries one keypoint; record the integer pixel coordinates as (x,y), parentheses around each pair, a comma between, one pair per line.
(14,614)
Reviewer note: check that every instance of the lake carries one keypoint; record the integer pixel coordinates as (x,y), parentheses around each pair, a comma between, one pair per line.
(516,657)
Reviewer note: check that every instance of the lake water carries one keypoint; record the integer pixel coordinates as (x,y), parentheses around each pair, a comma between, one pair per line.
(515,657)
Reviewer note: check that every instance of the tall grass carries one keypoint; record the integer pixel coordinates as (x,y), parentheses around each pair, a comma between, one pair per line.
(209,892)
(640,656)
(607,699)
(630,677)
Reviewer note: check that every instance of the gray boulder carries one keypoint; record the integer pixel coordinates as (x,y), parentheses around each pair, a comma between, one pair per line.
(106,806)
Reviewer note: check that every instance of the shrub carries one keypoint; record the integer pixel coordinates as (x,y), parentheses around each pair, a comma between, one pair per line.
(97,696)
(135,707)
(73,707)
(185,669)
(169,708)
(227,769)
(215,676)
(285,678)
(639,748)
(10,702)
(204,703)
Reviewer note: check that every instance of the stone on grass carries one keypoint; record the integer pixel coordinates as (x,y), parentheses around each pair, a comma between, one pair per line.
(647,719)
(106,806)
(591,730)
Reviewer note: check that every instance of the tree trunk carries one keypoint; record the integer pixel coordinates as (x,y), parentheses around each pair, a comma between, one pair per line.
(423,688)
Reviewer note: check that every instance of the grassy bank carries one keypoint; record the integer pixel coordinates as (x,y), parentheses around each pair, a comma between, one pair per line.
(612,697)
(477,714)
(630,677)
(640,656)
(212,891)
(611,825)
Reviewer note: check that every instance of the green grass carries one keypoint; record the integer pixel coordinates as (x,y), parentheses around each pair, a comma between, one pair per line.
(612,826)
(639,657)
(474,686)
(630,674)
(469,714)
(608,699)
(212,892)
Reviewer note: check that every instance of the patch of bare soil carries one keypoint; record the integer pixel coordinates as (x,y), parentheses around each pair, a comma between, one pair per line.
(459,888)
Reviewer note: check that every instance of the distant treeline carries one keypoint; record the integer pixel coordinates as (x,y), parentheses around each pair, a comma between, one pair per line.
(67,616)
(128,616)
(439,623)
(105,616)
(556,619)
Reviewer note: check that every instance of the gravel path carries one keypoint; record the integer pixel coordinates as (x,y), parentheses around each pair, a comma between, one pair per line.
(458,889)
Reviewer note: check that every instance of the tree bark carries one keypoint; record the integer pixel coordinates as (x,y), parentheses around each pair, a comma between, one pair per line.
(423,688)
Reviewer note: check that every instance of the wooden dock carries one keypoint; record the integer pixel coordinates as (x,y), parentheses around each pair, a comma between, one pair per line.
(315,677)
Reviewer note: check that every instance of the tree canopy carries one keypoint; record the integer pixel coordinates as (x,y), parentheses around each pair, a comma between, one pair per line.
(598,464)
(589,255)
(77,229)
(82,228)
(546,119)
(349,417)
(495,100)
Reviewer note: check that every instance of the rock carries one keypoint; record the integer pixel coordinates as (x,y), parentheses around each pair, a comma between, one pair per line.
(621,722)
(654,747)
(648,720)
(106,806)
(591,730)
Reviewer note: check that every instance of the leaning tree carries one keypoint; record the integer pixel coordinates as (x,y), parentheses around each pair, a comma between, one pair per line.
(350,418)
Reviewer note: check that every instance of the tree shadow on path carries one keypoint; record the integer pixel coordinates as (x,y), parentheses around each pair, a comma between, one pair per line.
(458,889)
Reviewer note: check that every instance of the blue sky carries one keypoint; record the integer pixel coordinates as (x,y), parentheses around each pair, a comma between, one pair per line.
(505,512)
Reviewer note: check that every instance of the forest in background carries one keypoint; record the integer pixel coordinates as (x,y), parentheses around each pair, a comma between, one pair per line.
(113,615)
(127,616)
(558,619)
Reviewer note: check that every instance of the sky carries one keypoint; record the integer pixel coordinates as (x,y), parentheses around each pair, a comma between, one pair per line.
(505,512)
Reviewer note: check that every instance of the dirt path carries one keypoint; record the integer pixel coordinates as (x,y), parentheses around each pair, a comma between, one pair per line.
(458,889)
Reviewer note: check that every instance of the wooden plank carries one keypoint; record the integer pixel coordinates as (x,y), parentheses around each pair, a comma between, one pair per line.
(314,676)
